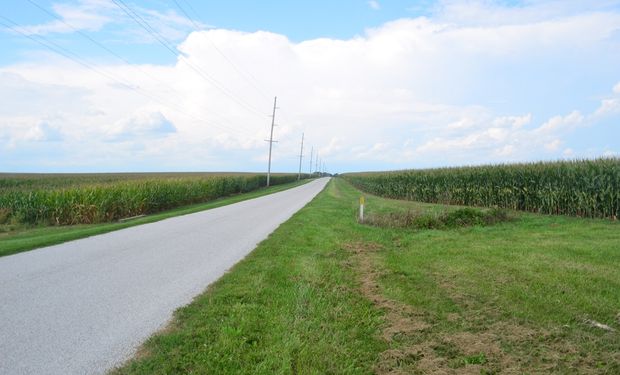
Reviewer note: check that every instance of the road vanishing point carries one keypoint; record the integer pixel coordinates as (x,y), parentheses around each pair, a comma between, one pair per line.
(85,306)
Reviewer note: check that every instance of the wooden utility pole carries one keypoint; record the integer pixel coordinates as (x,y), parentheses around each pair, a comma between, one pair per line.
(271,141)
(301,156)
(316,165)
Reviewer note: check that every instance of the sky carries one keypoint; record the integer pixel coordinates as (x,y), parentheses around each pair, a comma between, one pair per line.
(189,85)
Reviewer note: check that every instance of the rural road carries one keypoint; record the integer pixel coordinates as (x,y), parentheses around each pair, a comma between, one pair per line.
(84,307)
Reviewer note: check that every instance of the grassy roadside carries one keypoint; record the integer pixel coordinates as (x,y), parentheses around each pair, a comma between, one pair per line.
(27,238)
(324,294)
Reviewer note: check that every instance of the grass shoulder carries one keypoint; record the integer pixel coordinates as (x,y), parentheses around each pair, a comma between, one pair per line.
(326,294)
(22,238)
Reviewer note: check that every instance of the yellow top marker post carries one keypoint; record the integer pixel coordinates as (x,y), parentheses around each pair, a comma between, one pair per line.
(362,200)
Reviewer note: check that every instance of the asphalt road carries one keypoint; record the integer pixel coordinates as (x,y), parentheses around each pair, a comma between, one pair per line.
(83,307)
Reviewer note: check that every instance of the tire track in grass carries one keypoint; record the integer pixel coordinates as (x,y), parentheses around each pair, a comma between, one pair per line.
(414,347)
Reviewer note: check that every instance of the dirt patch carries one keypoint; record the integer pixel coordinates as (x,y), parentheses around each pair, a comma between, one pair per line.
(476,340)
(415,348)
(400,319)
(472,344)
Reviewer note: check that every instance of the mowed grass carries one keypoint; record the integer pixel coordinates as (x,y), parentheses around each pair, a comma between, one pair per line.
(325,294)
(22,237)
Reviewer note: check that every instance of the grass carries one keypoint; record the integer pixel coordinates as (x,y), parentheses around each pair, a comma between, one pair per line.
(448,219)
(104,198)
(327,295)
(18,238)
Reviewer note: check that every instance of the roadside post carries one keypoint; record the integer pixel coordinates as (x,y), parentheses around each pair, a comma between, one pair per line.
(362,202)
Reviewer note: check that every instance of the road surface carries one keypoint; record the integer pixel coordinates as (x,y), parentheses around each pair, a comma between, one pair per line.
(84,307)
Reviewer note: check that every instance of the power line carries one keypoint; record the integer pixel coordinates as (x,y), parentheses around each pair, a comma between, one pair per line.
(102,46)
(105,48)
(75,58)
(146,26)
(248,77)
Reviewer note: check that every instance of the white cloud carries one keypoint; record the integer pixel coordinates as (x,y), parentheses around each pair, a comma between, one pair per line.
(617,88)
(406,93)
(608,106)
(553,145)
(374,4)
(558,124)
(490,13)
(505,151)
(142,124)
(94,15)
(515,122)
(89,15)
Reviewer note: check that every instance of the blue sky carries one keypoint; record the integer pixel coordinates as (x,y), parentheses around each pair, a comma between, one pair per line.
(298,20)
(372,84)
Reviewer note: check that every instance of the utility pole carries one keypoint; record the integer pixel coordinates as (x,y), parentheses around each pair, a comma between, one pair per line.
(273,120)
(301,156)
(316,165)
(311,156)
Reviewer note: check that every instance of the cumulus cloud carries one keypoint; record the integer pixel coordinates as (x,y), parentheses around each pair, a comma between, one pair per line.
(94,15)
(434,90)
(85,15)
(558,124)
(553,145)
(374,4)
(140,125)
(608,106)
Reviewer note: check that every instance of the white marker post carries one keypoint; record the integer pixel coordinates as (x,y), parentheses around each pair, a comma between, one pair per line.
(362,201)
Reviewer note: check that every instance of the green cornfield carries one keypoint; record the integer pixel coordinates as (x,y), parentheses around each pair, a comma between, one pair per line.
(96,198)
(584,188)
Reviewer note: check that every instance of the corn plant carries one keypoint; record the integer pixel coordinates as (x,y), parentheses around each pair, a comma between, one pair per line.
(585,188)
(103,198)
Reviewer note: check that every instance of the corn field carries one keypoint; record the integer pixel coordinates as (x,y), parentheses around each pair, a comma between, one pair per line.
(86,199)
(584,188)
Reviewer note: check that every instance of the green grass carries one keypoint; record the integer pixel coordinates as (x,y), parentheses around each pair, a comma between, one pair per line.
(21,237)
(327,295)
(104,198)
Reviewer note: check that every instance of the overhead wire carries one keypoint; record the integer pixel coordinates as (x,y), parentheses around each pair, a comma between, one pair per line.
(159,38)
(54,47)
(247,76)
(92,40)
(105,48)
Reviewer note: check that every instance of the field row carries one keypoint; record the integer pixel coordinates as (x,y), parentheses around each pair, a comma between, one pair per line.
(585,188)
(95,199)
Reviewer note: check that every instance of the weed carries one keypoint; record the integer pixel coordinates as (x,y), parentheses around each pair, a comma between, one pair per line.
(462,217)
(478,359)
(5,213)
